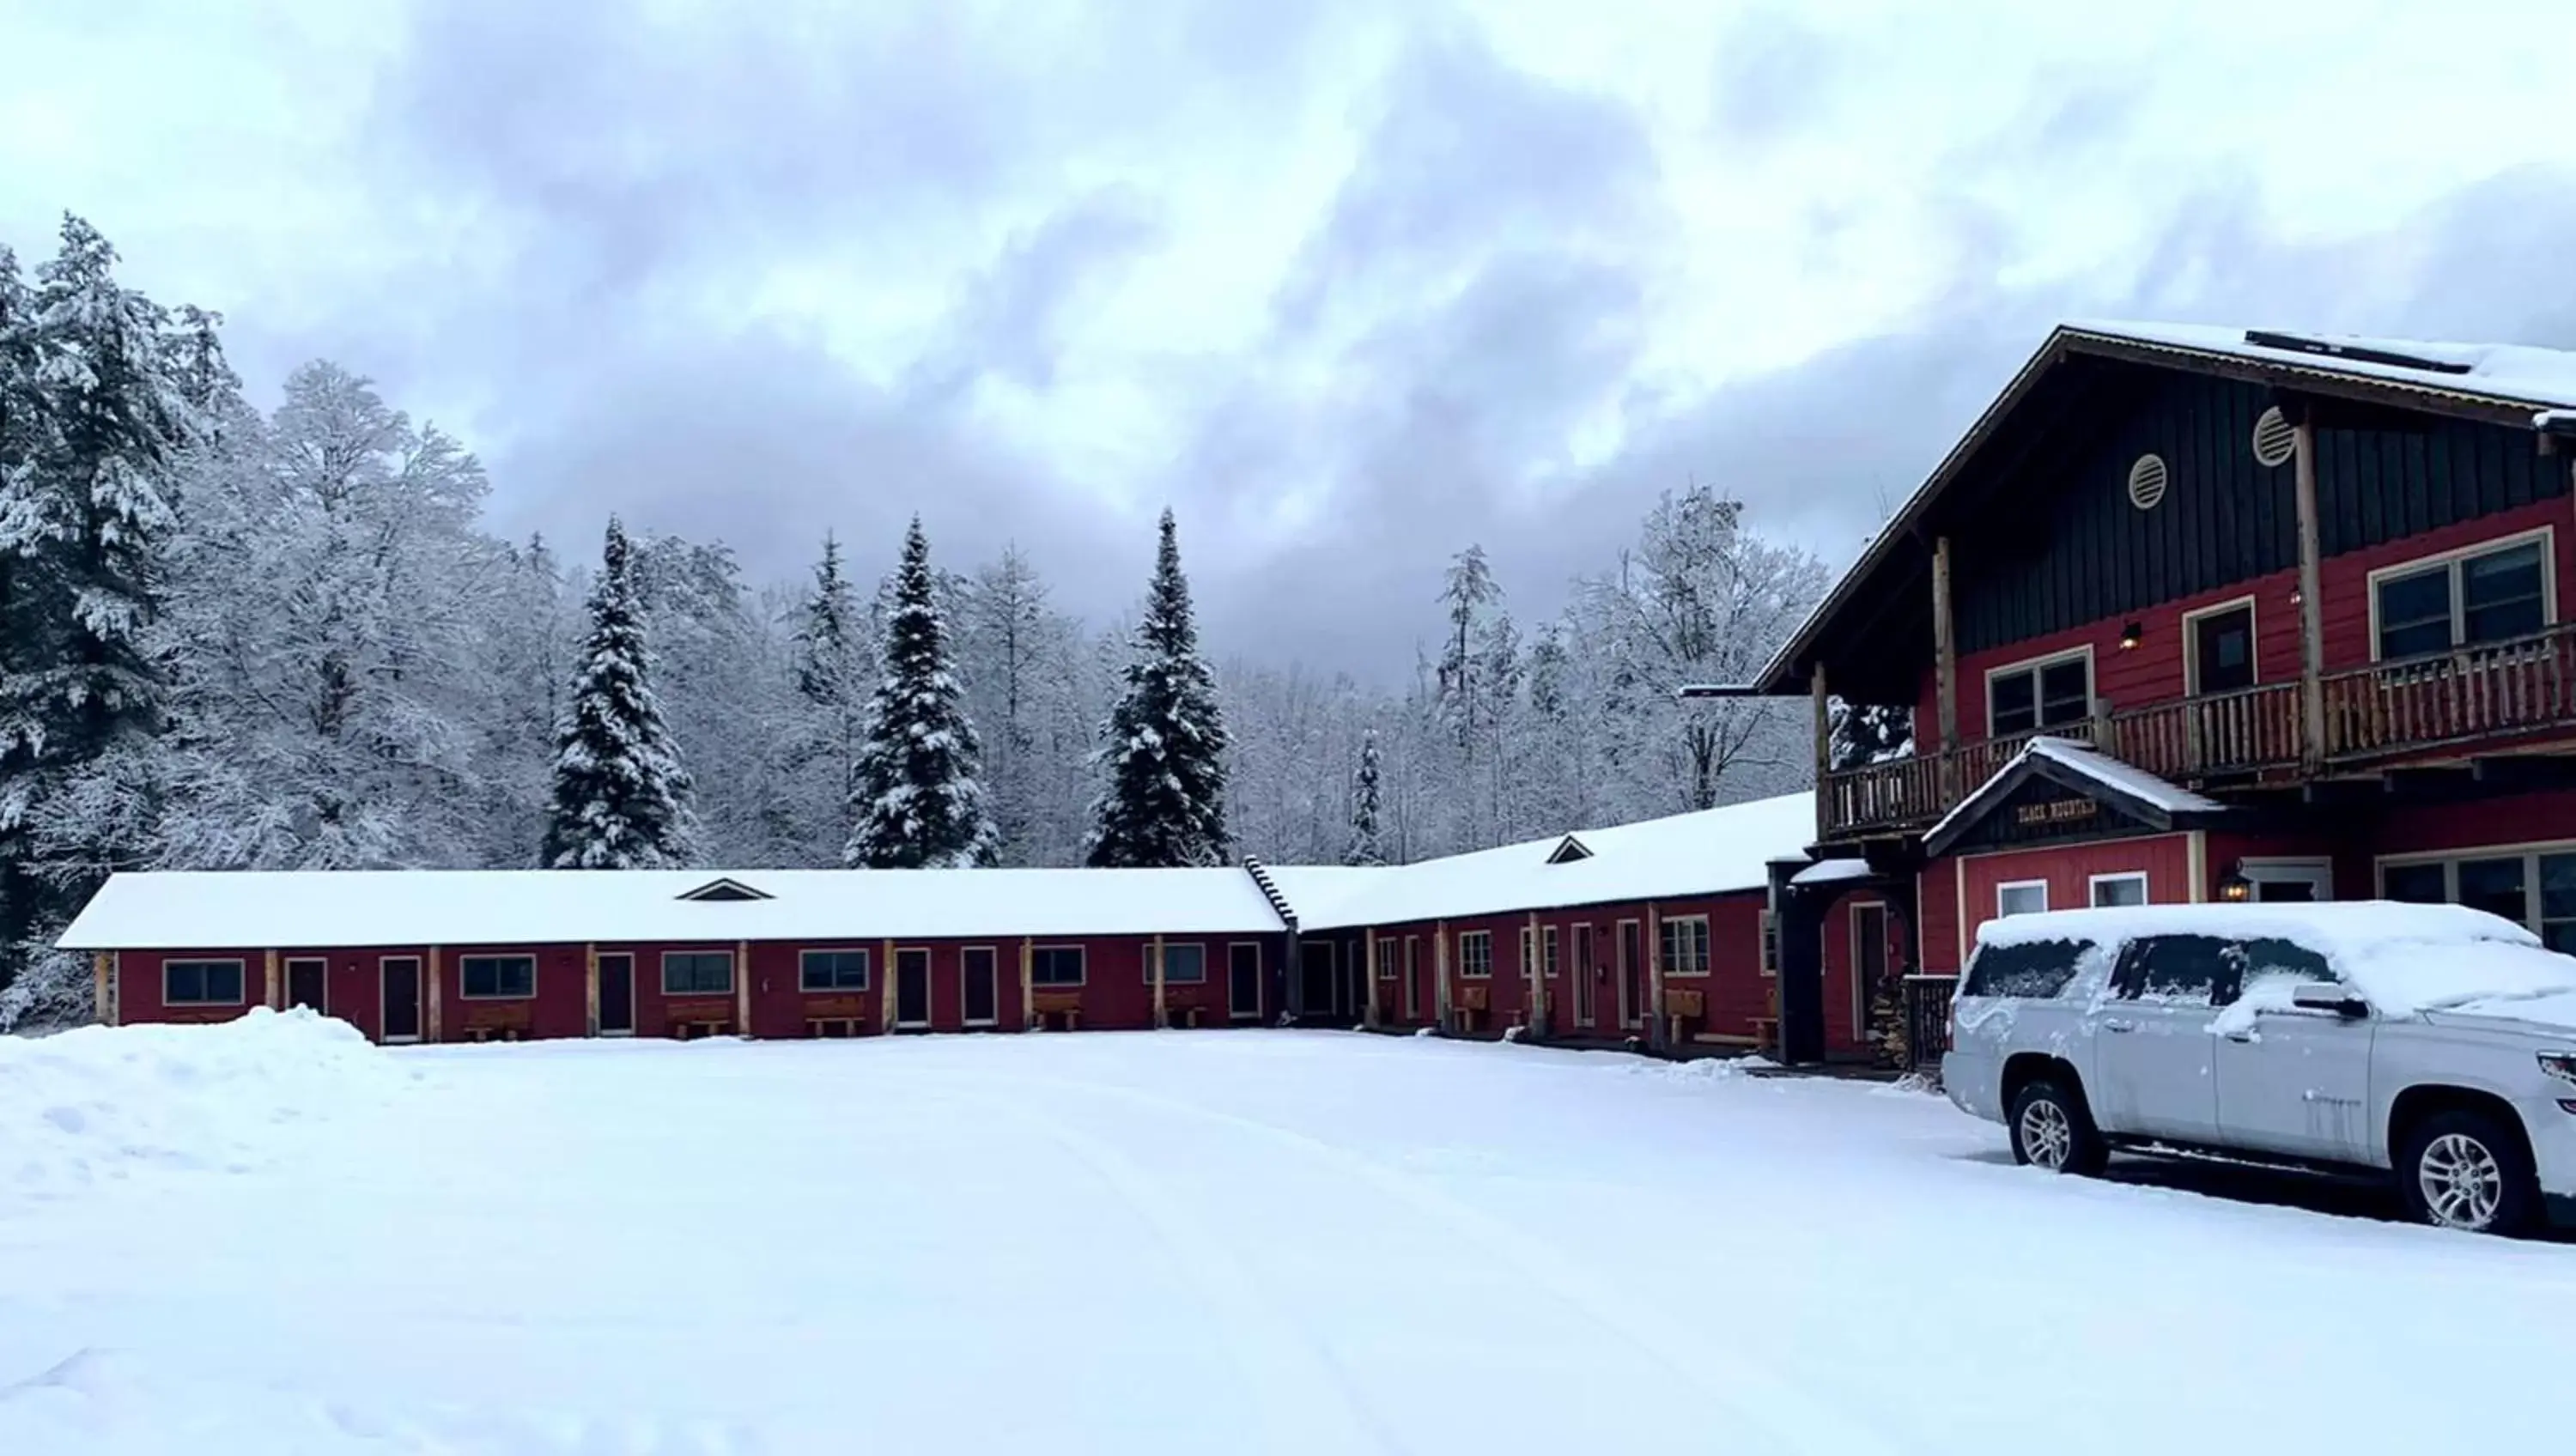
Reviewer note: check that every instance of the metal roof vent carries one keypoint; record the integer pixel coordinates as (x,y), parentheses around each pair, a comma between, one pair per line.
(2147,481)
(2274,439)
(723,890)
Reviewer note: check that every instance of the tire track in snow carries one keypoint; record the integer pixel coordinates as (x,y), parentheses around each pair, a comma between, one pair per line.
(1308,1405)
(1791,1416)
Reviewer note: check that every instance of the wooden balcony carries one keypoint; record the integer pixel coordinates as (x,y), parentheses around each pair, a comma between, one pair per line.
(2490,694)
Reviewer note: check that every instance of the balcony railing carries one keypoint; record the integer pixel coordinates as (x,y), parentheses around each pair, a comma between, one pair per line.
(2485,694)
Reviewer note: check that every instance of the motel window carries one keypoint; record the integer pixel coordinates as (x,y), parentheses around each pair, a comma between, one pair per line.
(1547,950)
(832,970)
(1770,944)
(1529,949)
(697,972)
(1184,965)
(2128,889)
(1685,945)
(2535,888)
(492,978)
(1055,965)
(2039,695)
(1475,953)
(2021,897)
(2489,595)
(201,983)
(1386,958)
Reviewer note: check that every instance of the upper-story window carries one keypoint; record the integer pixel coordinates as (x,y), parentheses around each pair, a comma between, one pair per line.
(2048,693)
(2487,594)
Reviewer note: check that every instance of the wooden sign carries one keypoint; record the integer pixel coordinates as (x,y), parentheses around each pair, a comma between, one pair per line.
(2054,812)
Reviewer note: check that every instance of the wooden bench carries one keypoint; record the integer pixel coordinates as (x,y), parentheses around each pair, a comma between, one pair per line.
(1181,1015)
(689,1020)
(1473,1007)
(836,1016)
(499,1023)
(1766,1032)
(1047,1004)
(1682,1007)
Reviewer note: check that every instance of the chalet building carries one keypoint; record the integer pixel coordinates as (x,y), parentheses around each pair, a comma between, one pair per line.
(1654,931)
(2195,614)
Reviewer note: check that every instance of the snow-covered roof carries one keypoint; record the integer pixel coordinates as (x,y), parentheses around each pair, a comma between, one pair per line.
(185,910)
(2516,372)
(1710,851)
(1833,872)
(2124,780)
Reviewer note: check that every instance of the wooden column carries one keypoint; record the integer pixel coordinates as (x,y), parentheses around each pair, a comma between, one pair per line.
(1028,983)
(268,991)
(1945,645)
(101,980)
(590,987)
(1655,1026)
(2312,634)
(430,1024)
(742,988)
(1440,970)
(1160,1019)
(1536,970)
(1824,743)
(885,987)
(1369,939)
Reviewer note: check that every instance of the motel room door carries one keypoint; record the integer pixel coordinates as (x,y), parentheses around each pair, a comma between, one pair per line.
(1243,981)
(912,988)
(402,998)
(978,994)
(1584,974)
(1632,973)
(305,983)
(617,995)
(1315,968)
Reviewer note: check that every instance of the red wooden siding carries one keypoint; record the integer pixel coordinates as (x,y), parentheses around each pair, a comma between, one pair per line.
(2068,871)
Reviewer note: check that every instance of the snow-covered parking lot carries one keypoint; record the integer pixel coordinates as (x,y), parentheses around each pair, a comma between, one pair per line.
(270,1238)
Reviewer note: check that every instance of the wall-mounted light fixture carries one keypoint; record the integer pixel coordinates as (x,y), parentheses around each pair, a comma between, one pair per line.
(2131,635)
(2236,889)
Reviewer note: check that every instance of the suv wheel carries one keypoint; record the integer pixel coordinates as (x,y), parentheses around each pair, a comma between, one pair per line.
(2051,1129)
(2466,1170)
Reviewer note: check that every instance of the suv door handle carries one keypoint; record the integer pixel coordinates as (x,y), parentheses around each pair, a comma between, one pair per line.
(2113,1023)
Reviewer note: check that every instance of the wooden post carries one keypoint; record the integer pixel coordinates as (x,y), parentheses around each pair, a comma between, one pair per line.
(742,988)
(1028,983)
(885,988)
(1945,645)
(1440,970)
(1160,1018)
(1824,744)
(431,1023)
(101,1006)
(2312,633)
(268,982)
(1655,1027)
(1370,954)
(590,986)
(1536,970)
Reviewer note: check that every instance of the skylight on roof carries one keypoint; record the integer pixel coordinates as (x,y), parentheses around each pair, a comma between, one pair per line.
(726,890)
(2363,353)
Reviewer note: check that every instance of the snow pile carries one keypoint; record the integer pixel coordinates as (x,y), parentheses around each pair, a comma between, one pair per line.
(1711,1069)
(98,1104)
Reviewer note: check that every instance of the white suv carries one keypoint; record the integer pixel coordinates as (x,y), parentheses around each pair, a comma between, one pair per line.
(2430,1041)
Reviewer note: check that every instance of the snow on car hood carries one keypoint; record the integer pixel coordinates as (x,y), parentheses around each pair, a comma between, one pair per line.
(2492,978)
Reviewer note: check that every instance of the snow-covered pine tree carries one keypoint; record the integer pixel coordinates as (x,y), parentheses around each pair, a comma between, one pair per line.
(23,554)
(85,523)
(1366,846)
(1163,748)
(621,798)
(918,803)
(1868,733)
(831,648)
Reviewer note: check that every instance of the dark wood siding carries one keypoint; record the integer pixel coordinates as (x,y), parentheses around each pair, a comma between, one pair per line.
(2066,547)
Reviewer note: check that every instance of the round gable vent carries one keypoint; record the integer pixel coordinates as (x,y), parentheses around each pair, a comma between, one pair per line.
(2274,440)
(2147,482)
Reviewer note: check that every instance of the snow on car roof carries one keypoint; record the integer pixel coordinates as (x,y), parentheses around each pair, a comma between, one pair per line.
(1705,852)
(209,909)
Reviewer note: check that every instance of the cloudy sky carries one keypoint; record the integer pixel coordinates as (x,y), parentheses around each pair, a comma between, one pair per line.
(1349,283)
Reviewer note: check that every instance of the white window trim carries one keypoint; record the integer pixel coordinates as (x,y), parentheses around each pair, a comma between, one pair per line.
(867,970)
(1081,959)
(510,955)
(731,971)
(2253,610)
(2093,885)
(419,999)
(1165,957)
(993,955)
(2039,885)
(1859,991)
(1549,963)
(1232,1011)
(2547,536)
(2032,665)
(1709,961)
(1766,943)
(1487,937)
(2528,852)
(241,978)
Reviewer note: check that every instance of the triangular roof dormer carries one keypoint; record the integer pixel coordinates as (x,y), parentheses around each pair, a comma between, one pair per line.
(1568,850)
(723,889)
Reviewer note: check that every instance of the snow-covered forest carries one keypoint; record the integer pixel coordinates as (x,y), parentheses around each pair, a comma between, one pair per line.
(278,633)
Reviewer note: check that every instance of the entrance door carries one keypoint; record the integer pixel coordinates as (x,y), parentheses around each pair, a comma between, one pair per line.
(305,984)
(1412,978)
(1632,974)
(1315,977)
(1869,964)
(402,998)
(1584,974)
(1243,981)
(912,988)
(978,993)
(617,995)
(2228,733)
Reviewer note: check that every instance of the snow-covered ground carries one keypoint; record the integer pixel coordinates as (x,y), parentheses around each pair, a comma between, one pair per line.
(269,1238)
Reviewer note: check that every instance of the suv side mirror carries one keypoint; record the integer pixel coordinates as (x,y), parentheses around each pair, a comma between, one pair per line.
(2327,996)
